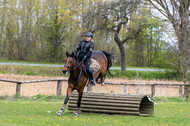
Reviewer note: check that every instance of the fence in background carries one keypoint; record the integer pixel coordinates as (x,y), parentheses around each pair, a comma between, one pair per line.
(59,85)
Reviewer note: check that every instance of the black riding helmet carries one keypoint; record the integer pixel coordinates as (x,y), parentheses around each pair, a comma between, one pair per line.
(89,34)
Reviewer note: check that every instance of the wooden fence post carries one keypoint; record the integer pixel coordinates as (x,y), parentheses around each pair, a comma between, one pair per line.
(125,89)
(59,86)
(18,86)
(152,90)
(89,88)
(180,91)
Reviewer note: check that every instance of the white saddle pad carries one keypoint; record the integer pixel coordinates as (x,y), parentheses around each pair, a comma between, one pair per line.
(94,65)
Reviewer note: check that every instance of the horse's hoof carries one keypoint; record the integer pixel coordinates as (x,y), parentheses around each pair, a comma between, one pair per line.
(98,82)
(103,84)
(76,114)
(59,114)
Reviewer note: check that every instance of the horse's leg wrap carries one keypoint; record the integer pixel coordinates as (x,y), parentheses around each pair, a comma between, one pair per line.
(79,103)
(60,113)
(63,107)
(78,112)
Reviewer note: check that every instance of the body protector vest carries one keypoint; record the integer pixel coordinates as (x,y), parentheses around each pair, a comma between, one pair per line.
(85,48)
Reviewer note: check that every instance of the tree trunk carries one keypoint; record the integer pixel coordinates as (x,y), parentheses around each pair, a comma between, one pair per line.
(123,61)
(182,35)
(122,51)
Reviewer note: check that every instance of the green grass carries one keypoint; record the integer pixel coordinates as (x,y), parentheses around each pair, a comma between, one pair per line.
(31,70)
(28,62)
(143,67)
(146,75)
(39,97)
(58,63)
(57,71)
(53,98)
(40,113)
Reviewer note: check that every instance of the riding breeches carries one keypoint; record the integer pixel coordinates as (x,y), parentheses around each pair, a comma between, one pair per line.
(88,69)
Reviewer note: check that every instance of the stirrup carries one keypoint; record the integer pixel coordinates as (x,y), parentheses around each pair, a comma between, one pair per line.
(93,82)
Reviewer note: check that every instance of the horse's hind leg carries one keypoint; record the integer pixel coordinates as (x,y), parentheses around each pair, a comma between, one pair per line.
(98,79)
(102,79)
(79,102)
(69,92)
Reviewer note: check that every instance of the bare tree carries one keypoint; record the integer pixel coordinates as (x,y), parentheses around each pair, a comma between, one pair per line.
(112,17)
(178,13)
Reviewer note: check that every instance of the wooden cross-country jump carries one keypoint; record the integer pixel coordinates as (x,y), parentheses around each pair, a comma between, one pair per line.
(108,103)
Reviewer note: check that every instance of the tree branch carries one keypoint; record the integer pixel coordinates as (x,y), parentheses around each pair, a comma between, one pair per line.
(160,10)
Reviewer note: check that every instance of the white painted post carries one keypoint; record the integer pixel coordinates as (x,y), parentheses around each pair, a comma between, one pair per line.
(152,90)
(180,91)
(18,87)
(89,88)
(59,86)
(125,89)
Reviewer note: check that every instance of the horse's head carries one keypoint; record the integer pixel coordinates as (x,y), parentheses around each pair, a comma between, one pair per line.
(70,62)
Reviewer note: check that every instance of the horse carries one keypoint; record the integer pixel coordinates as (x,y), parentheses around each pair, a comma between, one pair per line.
(78,77)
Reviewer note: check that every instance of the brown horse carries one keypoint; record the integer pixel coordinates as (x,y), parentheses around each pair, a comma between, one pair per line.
(78,79)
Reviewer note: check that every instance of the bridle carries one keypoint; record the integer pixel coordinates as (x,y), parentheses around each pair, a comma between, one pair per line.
(69,67)
(78,65)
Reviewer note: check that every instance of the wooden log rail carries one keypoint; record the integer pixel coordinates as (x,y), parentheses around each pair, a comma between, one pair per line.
(149,84)
(59,85)
(18,86)
(110,103)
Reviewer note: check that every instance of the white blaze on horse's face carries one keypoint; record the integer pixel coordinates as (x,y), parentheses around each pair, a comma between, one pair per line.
(68,65)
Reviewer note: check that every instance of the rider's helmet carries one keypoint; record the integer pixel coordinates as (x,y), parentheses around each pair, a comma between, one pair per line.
(89,34)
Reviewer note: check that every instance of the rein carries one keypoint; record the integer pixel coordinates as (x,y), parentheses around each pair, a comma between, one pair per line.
(79,73)
(79,64)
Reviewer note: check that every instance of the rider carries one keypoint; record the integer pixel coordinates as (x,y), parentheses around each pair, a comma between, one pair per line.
(86,47)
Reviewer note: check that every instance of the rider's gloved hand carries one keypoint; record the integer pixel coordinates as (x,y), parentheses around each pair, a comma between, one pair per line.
(83,58)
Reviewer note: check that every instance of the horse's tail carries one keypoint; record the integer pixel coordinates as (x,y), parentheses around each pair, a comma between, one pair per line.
(108,55)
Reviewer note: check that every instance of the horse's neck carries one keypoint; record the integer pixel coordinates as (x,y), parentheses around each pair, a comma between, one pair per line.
(74,74)
(75,71)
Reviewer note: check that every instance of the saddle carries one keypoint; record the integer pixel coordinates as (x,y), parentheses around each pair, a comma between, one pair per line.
(94,65)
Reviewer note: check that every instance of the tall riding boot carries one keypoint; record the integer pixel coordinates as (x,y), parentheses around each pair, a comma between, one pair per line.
(92,78)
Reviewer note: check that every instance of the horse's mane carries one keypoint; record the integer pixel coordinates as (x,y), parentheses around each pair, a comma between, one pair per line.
(72,55)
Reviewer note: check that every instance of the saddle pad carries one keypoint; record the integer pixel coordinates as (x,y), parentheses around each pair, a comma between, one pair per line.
(95,66)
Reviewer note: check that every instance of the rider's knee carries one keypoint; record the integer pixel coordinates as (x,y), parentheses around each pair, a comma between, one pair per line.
(88,70)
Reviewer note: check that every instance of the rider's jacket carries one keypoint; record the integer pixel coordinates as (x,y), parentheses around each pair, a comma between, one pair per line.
(85,49)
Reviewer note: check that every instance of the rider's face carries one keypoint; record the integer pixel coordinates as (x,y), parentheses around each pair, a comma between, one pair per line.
(88,38)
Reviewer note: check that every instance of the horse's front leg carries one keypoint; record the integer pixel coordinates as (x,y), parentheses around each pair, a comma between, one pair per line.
(69,92)
(79,102)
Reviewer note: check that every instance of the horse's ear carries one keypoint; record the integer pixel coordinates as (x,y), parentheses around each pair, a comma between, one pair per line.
(67,54)
(73,55)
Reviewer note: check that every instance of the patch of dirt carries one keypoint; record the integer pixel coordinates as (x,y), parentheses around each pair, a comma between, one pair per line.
(49,88)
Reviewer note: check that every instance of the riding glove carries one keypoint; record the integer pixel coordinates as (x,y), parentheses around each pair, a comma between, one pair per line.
(83,58)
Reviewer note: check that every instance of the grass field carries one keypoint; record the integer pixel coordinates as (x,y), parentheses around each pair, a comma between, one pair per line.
(57,71)
(40,113)
(58,63)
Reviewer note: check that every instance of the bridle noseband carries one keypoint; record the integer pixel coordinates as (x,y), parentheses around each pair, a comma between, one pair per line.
(69,67)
